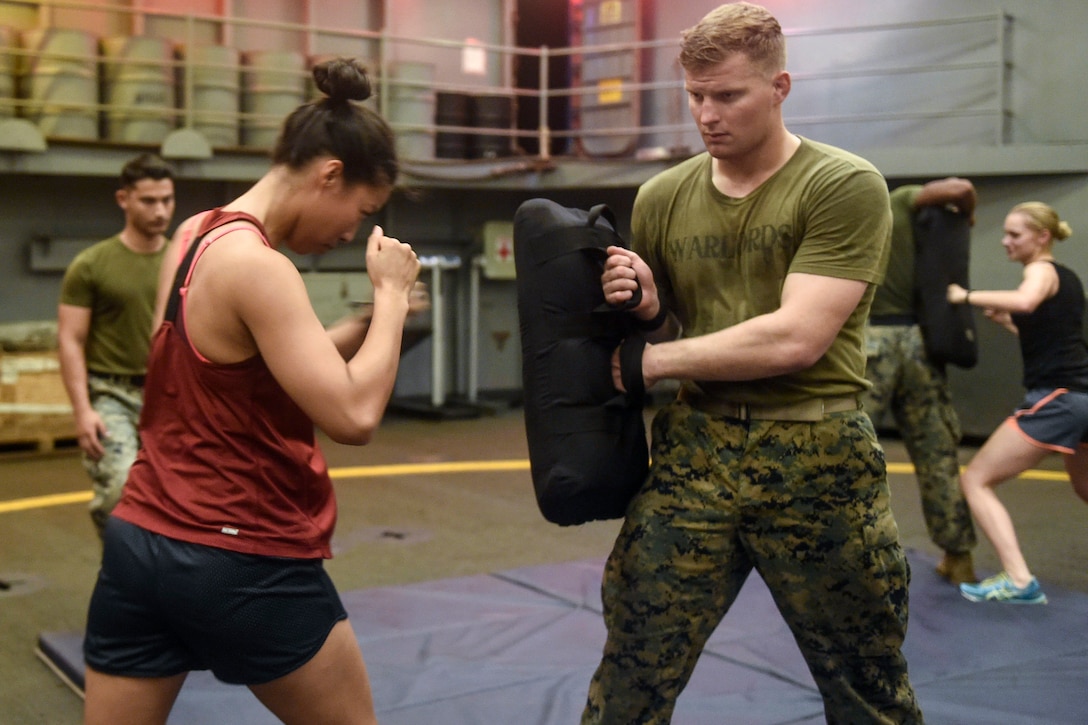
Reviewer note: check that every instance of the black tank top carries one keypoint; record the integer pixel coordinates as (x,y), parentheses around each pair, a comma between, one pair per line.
(1052,338)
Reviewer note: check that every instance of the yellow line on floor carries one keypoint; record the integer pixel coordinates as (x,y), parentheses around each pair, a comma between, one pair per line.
(408,469)
(396,469)
(40,502)
(1029,475)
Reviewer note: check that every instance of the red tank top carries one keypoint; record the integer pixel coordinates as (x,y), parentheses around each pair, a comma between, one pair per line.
(227,459)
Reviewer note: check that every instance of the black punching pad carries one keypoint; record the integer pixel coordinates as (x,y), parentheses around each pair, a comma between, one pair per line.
(587,442)
(942,256)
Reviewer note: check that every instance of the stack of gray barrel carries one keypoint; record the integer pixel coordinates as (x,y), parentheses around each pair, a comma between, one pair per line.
(8,42)
(139,89)
(215,102)
(274,85)
(58,78)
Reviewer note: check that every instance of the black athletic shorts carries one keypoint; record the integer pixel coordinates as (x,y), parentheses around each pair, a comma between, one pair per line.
(162,607)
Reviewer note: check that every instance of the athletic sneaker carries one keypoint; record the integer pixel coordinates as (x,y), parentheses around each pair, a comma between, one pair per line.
(999,588)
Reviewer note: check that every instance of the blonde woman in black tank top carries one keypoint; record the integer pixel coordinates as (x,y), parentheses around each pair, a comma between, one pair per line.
(1046,313)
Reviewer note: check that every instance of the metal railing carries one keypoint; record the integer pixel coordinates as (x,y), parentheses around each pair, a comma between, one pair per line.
(976,62)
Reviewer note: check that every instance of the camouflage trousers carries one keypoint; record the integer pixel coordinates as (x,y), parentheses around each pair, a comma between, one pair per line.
(119,406)
(805,505)
(916,394)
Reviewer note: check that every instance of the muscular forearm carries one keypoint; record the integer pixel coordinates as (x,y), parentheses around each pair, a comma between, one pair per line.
(374,366)
(999,300)
(759,348)
(954,191)
(793,337)
(73,373)
(1040,282)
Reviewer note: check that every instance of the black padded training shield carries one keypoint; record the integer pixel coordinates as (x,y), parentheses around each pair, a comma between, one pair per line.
(587,442)
(942,256)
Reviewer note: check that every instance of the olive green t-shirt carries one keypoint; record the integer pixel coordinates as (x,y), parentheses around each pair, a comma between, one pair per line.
(718,261)
(118,285)
(895,296)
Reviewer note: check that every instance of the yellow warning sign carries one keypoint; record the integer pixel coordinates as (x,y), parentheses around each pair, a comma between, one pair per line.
(609,90)
(611,12)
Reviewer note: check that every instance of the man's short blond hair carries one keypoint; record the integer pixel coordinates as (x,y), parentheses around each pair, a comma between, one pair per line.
(735,28)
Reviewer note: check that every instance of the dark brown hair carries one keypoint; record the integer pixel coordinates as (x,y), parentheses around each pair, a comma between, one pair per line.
(145,166)
(337,126)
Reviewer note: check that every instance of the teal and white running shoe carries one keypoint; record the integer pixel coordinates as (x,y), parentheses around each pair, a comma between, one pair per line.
(999,588)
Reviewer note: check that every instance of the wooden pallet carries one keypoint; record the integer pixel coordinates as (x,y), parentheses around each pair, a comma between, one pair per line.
(41,433)
(34,409)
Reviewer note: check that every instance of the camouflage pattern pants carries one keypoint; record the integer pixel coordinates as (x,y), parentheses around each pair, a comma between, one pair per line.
(916,394)
(806,506)
(119,406)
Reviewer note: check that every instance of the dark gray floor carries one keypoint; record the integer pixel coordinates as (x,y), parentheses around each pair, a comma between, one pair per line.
(402,529)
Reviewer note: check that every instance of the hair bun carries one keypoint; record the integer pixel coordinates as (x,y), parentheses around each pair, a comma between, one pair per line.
(1064,231)
(342,79)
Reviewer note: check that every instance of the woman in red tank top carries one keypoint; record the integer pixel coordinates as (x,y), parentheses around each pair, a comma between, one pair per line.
(231,493)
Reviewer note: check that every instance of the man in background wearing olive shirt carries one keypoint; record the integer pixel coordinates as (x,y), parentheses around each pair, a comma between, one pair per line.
(914,389)
(104,328)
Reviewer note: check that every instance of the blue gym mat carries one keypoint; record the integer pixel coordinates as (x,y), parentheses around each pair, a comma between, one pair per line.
(518,647)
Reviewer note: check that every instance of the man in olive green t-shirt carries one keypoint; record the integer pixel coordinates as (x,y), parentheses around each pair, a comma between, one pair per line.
(756,262)
(913,389)
(104,317)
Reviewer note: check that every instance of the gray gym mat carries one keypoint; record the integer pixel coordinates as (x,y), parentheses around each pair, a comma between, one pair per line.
(518,647)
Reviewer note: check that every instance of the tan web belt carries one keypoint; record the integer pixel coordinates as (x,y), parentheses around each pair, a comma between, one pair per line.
(811,410)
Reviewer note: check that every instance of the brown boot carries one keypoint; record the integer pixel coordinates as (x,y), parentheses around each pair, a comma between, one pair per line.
(957,568)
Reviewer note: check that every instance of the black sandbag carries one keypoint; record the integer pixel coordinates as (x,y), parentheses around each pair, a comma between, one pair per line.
(942,257)
(587,442)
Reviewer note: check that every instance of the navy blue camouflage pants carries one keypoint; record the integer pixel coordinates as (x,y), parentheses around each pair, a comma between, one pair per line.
(805,505)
